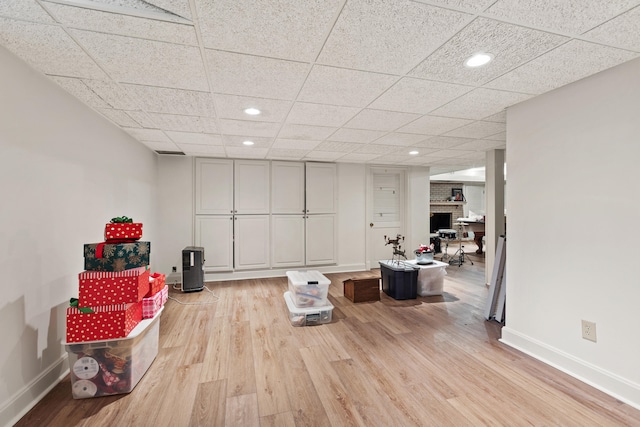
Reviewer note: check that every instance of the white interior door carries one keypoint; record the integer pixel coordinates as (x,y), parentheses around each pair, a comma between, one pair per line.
(386,212)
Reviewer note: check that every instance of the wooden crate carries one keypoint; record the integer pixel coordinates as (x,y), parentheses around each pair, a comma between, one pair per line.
(361,290)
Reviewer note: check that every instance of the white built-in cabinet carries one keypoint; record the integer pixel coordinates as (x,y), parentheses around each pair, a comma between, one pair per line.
(257,214)
(303,214)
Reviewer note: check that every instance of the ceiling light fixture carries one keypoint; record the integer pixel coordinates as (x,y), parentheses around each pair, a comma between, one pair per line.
(252,111)
(248,142)
(478,60)
(413,153)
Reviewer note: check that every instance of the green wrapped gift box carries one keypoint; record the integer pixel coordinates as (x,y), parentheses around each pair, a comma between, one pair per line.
(116,257)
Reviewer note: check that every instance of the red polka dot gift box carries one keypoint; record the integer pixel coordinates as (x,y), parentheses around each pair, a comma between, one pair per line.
(102,322)
(113,287)
(156,283)
(120,231)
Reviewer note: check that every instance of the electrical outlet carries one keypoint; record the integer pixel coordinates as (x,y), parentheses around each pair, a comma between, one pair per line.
(174,269)
(589,330)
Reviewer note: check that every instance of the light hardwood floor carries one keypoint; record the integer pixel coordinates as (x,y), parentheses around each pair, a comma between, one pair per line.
(432,361)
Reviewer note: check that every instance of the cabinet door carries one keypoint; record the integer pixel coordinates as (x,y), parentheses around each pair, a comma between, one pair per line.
(215,234)
(287,187)
(251,241)
(287,240)
(252,187)
(214,186)
(321,239)
(321,191)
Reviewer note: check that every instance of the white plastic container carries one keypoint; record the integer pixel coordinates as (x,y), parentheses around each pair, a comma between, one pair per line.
(307,316)
(103,368)
(308,288)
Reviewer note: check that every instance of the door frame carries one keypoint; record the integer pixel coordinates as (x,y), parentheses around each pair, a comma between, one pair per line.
(404,175)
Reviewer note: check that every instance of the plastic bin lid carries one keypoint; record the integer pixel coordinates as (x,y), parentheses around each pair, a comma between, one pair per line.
(293,309)
(300,278)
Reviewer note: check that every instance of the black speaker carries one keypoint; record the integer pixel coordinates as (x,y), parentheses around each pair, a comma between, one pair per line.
(192,269)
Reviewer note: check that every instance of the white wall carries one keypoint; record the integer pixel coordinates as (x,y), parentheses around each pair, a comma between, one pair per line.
(65,171)
(573,160)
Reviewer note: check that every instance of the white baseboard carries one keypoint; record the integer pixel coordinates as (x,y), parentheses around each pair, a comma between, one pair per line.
(607,382)
(14,409)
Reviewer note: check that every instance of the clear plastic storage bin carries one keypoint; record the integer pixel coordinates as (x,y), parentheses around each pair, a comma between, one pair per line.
(103,368)
(308,288)
(307,316)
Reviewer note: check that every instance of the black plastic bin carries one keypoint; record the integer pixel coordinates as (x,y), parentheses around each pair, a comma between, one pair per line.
(399,280)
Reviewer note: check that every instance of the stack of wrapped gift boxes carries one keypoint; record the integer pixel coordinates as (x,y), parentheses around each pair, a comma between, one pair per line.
(110,344)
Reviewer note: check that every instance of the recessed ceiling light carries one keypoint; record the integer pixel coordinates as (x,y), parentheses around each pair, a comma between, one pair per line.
(252,111)
(478,60)
(248,142)
(413,153)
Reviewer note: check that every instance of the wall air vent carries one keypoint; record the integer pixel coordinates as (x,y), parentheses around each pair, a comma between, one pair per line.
(172,153)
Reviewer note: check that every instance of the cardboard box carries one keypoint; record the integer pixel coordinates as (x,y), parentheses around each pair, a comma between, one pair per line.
(109,287)
(107,367)
(362,290)
(116,257)
(151,305)
(127,230)
(106,322)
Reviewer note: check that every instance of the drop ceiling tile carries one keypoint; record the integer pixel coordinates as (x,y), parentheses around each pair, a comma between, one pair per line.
(510,44)
(125,25)
(171,101)
(357,158)
(143,119)
(247,128)
(500,117)
(162,146)
(26,10)
(478,130)
(287,154)
(422,161)
(471,5)
(48,49)
(295,144)
(303,113)
(233,106)
(474,155)
(480,103)
(255,76)
(246,152)
(147,134)
(502,136)
(434,125)
(328,156)
(356,135)
(344,147)
(479,144)
(178,7)
(77,88)
(400,139)
(339,86)
(194,138)
(393,159)
(318,133)
(182,123)
(389,36)
(237,141)
(442,142)
(451,153)
(573,17)
(380,120)
(563,65)
(622,31)
(376,149)
(112,93)
(118,117)
(146,62)
(289,29)
(459,163)
(418,96)
(203,150)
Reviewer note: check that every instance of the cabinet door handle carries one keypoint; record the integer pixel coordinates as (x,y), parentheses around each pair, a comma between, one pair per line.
(371,225)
